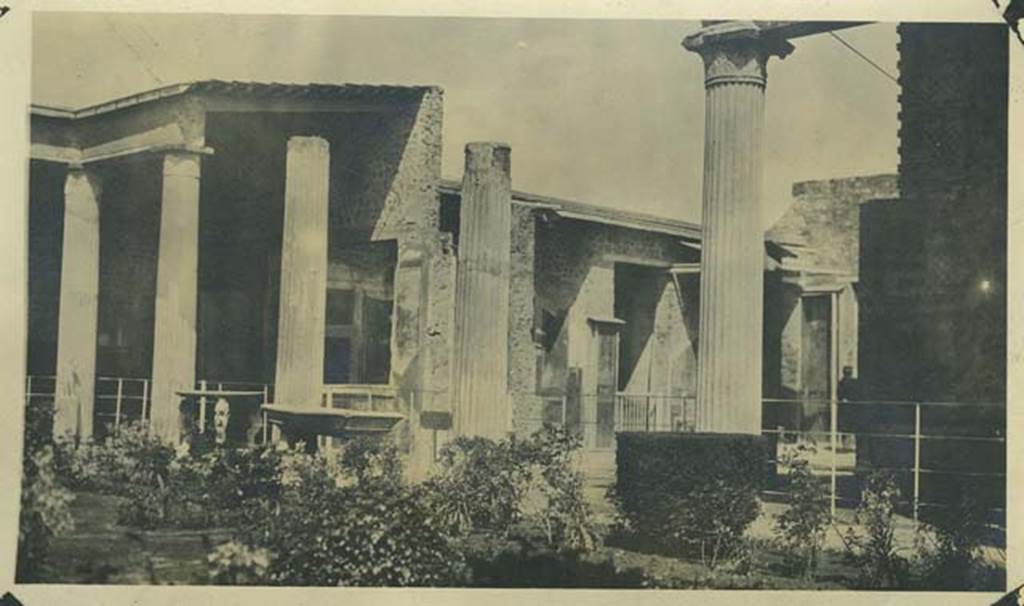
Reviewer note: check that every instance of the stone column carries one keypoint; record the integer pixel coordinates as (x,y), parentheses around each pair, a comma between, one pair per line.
(302,316)
(732,259)
(482,293)
(174,321)
(79,304)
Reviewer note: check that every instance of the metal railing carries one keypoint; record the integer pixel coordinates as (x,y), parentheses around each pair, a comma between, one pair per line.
(654,412)
(929,447)
(926,444)
(120,400)
(361,397)
(919,439)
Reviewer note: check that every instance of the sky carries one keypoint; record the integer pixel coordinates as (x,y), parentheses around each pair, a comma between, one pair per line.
(609,112)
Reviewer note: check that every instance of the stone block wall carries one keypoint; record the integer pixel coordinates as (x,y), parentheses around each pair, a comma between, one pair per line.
(825,216)
(934,262)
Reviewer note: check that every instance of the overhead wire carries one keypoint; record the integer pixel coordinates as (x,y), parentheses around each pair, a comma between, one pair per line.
(854,50)
(134,50)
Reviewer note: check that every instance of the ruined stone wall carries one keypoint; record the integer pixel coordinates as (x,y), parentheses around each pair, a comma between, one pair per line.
(382,176)
(523,352)
(825,216)
(575,281)
(656,345)
(385,166)
(410,211)
(674,357)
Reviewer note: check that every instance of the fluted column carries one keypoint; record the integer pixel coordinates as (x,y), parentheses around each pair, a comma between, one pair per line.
(300,336)
(79,303)
(177,276)
(482,293)
(732,255)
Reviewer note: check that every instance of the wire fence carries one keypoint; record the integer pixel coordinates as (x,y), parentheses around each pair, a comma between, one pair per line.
(932,448)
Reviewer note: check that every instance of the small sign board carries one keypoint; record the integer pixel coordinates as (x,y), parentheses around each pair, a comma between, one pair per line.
(440,420)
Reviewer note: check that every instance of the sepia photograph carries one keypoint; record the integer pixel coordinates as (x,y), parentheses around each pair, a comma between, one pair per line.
(509,302)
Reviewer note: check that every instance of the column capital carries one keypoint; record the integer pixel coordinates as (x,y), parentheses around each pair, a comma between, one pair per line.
(182,162)
(82,189)
(301,142)
(488,155)
(735,52)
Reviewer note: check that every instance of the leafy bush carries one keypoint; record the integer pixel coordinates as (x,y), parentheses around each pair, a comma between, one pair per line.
(125,459)
(801,528)
(525,558)
(45,512)
(689,494)
(38,424)
(233,563)
(45,503)
(481,484)
(222,487)
(372,460)
(484,485)
(952,561)
(328,530)
(870,544)
(565,514)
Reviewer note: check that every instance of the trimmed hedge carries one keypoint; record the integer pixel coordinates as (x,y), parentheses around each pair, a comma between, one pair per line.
(690,493)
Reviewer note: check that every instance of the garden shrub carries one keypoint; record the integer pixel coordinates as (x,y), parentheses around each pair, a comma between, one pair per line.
(564,514)
(871,542)
(372,459)
(128,457)
(233,563)
(45,512)
(687,493)
(38,424)
(801,527)
(480,484)
(952,561)
(45,503)
(525,558)
(218,488)
(492,486)
(328,530)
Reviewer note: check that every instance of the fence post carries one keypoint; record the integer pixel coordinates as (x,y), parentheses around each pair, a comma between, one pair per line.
(202,406)
(28,388)
(266,393)
(834,439)
(917,457)
(145,402)
(117,403)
